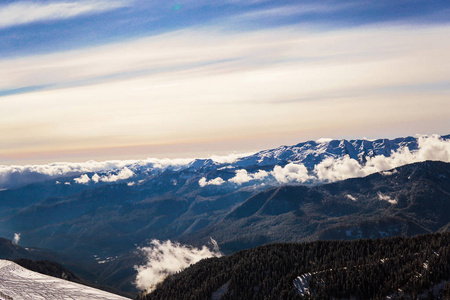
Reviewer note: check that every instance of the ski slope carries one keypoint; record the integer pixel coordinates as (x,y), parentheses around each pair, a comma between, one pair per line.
(19,283)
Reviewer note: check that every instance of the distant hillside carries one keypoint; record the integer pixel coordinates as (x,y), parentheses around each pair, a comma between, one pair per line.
(411,268)
(409,200)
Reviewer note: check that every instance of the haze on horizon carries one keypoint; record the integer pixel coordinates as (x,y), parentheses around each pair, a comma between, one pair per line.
(124,79)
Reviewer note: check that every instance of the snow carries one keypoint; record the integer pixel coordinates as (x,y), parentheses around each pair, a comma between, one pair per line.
(387,198)
(301,284)
(19,283)
(389,173)
(351,197)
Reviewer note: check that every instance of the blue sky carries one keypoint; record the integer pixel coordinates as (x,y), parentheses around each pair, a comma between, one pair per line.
(109,21)
(98,79)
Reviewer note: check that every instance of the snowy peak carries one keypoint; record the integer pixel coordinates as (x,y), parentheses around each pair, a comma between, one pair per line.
(313,152)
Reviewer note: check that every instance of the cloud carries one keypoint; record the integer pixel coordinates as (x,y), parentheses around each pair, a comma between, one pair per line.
(16,238)
(429,148)
(24,12)
(216,181)
(125,173)
(333,169)
(165,258)
(242,176)
(16,176)
(328,170)
(83,179)
(289,11)
(291,173)
(200,75)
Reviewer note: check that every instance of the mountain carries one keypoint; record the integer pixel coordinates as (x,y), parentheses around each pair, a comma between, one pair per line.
(98,218)
(394,268)
(408,200)
(65,177)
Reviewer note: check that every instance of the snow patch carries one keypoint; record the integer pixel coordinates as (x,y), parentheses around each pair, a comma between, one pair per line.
(351,197)
(389,173)
(386,198)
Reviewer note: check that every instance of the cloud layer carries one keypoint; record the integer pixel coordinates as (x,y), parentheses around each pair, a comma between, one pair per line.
(165,258)
(16,176)
(233,81)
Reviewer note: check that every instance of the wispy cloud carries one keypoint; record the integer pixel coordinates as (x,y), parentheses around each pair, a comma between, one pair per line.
(297,10)
(222,85)
(23,12)
(166,258)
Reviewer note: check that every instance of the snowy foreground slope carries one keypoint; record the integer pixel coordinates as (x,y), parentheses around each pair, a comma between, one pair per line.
(19,283)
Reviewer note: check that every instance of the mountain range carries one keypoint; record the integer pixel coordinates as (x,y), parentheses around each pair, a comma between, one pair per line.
(99,218)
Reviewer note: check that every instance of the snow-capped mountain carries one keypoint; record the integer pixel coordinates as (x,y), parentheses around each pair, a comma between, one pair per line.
(313,155)
(105,210)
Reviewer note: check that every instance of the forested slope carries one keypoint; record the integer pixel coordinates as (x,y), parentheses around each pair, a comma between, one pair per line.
(365,269)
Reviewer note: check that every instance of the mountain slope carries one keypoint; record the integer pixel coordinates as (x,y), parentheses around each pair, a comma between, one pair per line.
(399,268)
(20,283)
(408,200)
(100,218)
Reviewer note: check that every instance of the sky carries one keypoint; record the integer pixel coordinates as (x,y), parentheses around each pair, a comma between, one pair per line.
(131,79)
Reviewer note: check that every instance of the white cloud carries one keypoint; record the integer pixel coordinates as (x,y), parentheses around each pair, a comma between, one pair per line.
(23,12)
(291,173)
(288,11)
(125,173)
(165,258)
(15,175)
(199,76)
(16,238)
(429,148)
(242,176)
(332,169)
(329,170)
(216,181)
(83,179)
(95,178)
